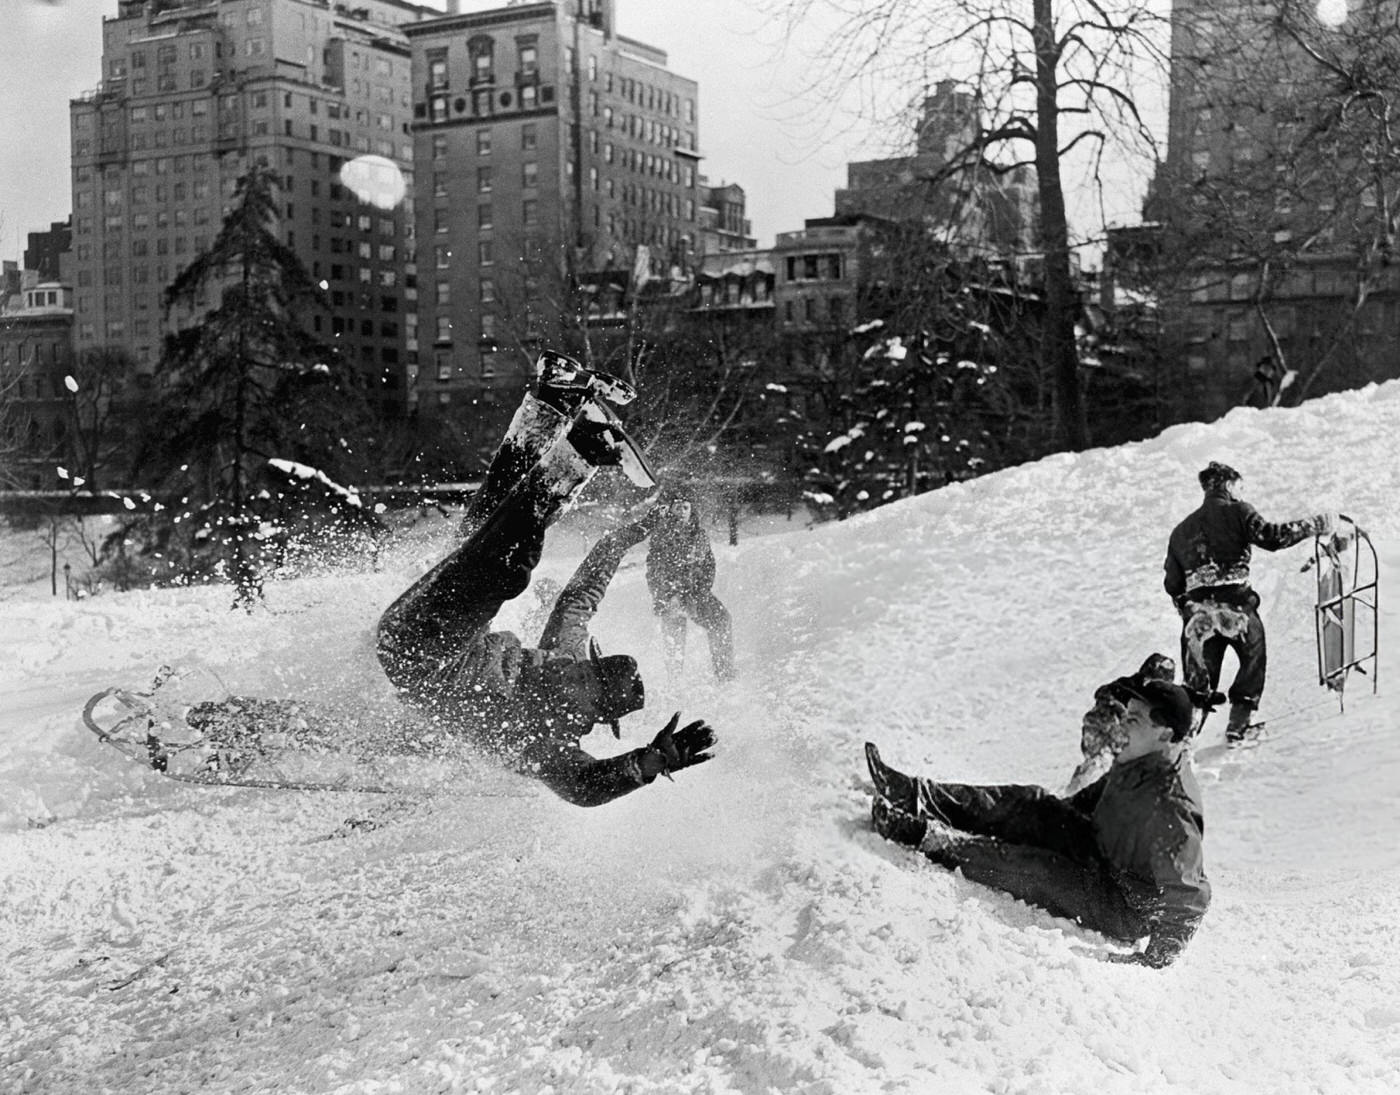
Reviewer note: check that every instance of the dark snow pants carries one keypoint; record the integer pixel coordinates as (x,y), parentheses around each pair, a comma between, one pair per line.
(451,607)
(709,612)
(1203,674)
(1034,846)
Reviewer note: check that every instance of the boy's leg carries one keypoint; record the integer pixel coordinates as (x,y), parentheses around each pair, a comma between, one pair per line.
(1079,888)
(673,628)
(1020,814)
(710,613)
(534,429)
(1014,813)
(1252,651)
(459,597)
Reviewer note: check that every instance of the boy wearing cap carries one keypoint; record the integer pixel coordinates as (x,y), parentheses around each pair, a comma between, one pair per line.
(530,706)
(1207,578)
(1122,857)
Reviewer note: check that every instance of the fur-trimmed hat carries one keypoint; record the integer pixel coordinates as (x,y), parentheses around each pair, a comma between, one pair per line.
(1216,474)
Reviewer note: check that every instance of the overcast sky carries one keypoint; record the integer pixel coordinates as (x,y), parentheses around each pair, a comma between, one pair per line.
(788,155)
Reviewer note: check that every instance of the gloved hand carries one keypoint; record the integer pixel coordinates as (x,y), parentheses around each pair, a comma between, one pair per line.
(1326,523)
(672,749)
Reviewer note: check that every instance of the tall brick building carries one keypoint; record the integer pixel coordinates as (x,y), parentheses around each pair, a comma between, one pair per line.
(550,152)
(192,93)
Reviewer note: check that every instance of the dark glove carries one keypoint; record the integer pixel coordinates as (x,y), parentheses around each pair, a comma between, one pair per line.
(672,749)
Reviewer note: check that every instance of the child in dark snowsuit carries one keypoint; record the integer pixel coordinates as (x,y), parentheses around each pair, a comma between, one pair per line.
(681,578)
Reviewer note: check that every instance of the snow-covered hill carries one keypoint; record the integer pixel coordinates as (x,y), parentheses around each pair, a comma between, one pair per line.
(741,930)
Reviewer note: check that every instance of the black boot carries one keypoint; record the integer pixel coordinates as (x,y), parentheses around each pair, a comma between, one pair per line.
(895,825)
(900,790)
(565,384)
(1237,729)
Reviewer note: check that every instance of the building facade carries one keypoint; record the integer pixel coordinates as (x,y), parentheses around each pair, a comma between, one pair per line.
(724,225)
(1274,205)
(974,211)
(551,153)
(194,92)
(36,404)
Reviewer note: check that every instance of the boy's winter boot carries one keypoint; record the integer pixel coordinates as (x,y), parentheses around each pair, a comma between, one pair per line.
(563,383)
(1237,729)
(900,790)
(895,825)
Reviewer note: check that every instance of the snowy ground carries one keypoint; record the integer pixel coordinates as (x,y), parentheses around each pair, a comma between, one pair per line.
(741,930)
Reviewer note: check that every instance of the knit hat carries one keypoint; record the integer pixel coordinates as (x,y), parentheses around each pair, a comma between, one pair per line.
(623,691)
(1216,474)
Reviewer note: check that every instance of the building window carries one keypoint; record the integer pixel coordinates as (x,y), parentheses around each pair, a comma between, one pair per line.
(528,137)
(444,334)
(529,58)
(479,49)
(530,174)
(437,71)
(483,215)
(483,142)
(488,290)
(485,253)
(483,180)
(529,212)
(444,292)
(439,146)
(442,257)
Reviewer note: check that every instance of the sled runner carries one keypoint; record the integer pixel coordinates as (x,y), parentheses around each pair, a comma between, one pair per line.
(193,744)
(1347,613)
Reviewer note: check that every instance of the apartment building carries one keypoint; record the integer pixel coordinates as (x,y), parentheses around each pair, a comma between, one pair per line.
(974,211)
(36,321)
(550,152)
(1273,210)
(195,91)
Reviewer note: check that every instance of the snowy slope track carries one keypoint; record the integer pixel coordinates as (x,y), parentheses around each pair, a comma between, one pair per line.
(741,930)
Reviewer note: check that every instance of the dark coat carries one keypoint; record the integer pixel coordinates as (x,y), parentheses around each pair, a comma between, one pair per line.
(508,696)
(1209,552)
(680,561)
(1149,827)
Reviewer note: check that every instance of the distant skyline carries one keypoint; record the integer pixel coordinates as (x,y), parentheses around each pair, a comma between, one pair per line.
(788,156)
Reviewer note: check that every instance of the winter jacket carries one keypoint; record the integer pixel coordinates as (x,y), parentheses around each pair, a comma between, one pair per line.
(680,562)
(1208,553)
(504,693)
(1148,826)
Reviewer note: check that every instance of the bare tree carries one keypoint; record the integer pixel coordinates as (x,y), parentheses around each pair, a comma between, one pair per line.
(1055,79)
(1288,198)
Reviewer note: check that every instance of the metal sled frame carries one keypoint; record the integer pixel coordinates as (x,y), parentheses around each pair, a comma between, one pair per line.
(1335,615)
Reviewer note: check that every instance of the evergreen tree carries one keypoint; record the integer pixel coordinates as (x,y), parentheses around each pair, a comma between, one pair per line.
(242,383)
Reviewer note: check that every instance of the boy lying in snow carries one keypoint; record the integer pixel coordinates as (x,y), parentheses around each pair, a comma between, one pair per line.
(1123,856)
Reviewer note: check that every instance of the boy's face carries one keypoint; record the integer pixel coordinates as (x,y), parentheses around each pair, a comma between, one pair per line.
(1104,721)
